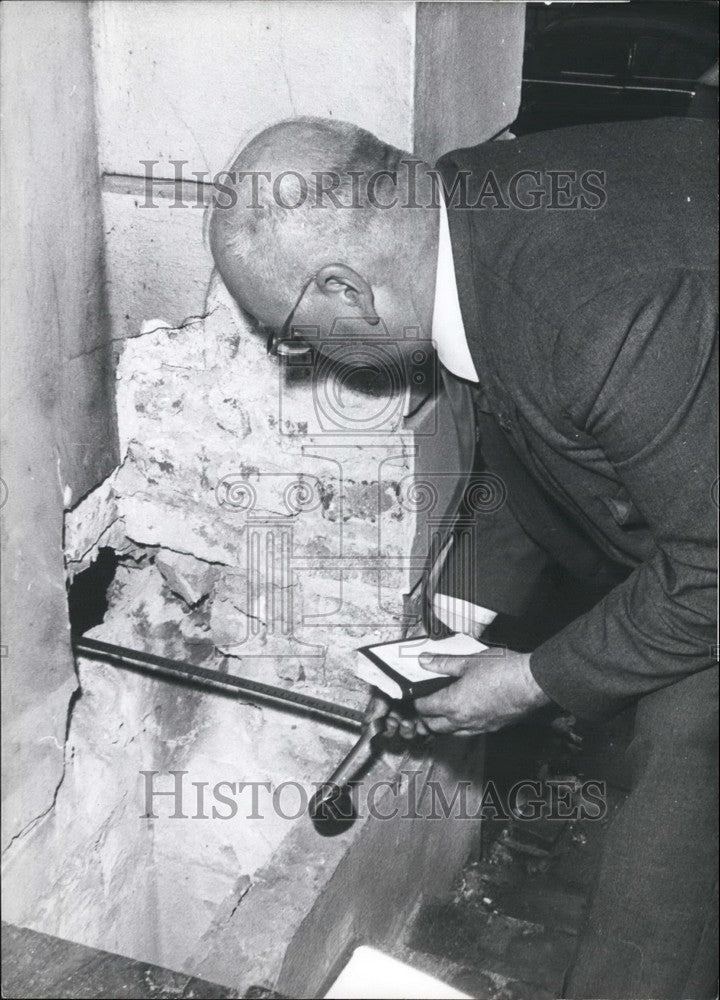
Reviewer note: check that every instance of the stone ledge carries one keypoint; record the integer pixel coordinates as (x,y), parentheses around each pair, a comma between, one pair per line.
(317,898)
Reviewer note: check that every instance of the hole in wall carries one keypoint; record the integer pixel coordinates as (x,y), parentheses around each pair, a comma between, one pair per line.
(88,592)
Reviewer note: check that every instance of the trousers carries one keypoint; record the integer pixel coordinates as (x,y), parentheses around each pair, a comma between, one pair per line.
(652,927)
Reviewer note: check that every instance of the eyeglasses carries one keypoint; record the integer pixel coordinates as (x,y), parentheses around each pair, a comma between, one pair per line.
(285,344)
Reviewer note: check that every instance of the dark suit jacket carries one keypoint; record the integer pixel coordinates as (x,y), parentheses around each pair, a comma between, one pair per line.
(594,334)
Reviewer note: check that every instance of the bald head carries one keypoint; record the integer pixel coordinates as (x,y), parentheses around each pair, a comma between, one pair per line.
(308,193)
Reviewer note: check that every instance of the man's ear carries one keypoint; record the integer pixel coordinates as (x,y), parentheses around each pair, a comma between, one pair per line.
(352,290)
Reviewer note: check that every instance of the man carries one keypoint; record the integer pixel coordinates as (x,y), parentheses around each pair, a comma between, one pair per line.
(569,288)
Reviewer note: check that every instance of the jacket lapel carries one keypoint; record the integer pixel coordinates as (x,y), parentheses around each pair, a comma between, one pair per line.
(540,516)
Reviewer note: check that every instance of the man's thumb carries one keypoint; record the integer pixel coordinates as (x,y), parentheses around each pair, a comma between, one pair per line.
(453,666)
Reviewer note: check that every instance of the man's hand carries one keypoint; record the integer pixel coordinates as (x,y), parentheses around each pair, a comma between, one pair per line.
(491,691)
(380,706)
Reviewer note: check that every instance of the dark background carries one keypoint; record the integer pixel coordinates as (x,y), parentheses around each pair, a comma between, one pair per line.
(612,62)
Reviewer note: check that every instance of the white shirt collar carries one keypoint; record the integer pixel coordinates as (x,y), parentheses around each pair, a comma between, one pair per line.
(448,329)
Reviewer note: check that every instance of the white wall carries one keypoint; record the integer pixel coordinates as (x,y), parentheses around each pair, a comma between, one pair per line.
(195,80)
(468,73)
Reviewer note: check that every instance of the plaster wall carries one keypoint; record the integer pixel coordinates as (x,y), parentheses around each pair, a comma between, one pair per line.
(196,81)
(58,431)
(468,73)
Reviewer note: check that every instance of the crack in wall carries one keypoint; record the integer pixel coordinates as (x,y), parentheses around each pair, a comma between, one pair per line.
(33,823)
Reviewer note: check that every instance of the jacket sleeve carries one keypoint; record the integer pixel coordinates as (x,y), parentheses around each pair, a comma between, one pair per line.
(643,385)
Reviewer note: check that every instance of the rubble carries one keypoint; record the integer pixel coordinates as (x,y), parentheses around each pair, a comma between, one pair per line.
(261,493)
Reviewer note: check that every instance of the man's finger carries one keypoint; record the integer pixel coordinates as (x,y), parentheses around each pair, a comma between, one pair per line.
(439,724)
(420,728)
(392,724)
(377,707)
(407,729)
(442,726)
(435,704)
(453,666)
